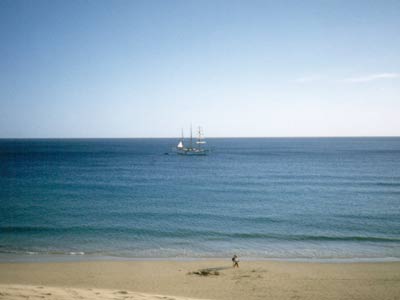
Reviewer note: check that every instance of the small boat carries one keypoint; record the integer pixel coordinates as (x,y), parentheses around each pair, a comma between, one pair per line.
(196,148)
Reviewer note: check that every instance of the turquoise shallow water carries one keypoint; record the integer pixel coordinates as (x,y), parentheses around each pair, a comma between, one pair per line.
(278,198)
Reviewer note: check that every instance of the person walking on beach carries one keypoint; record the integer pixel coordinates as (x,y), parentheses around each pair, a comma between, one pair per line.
(235,261)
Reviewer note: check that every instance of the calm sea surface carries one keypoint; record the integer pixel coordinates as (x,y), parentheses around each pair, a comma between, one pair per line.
(283,198)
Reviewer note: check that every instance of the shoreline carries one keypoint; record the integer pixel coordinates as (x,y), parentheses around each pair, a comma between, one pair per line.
(253,280)
(82,257)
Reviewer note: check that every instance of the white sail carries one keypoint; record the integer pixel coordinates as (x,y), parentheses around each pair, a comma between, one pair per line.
(180,145)
(200,139)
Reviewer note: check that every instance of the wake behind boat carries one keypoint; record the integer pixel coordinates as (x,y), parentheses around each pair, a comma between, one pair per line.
(196,148)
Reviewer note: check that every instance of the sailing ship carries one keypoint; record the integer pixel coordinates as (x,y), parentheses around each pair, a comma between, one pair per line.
(194,148)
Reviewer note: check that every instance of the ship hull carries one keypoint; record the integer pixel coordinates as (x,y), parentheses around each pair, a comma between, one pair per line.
(193,152)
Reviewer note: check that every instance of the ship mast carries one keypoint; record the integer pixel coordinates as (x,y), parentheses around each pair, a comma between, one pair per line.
(191,137)
(199,138)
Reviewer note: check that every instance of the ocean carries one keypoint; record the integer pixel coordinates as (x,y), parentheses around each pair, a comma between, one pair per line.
(261,198)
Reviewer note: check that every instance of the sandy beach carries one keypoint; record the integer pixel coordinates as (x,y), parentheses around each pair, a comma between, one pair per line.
(182,280)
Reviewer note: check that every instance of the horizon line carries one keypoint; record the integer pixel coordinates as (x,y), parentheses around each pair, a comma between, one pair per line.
(210,137)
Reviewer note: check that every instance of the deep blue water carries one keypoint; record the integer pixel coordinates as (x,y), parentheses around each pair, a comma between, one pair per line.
(305,198)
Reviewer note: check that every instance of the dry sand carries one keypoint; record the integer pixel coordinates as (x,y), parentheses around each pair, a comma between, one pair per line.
(154,279)
(22,292)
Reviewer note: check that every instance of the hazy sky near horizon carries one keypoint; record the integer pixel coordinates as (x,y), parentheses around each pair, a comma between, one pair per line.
(238,68)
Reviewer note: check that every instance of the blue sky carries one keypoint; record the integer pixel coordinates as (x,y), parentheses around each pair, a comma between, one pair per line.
(238,68)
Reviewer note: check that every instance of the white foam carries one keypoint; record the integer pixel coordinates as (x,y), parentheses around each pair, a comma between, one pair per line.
(77,253)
